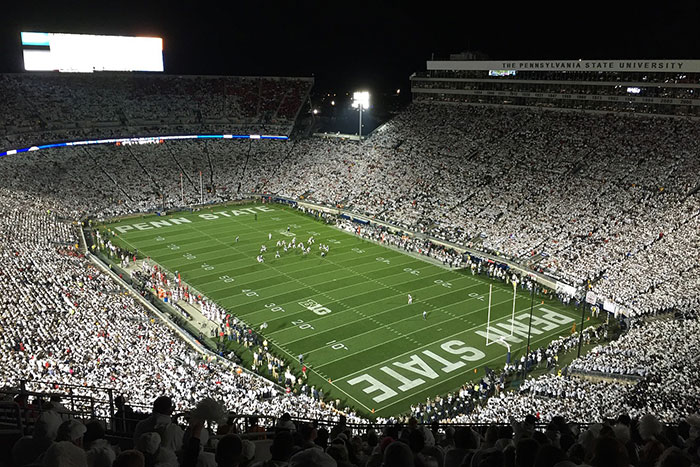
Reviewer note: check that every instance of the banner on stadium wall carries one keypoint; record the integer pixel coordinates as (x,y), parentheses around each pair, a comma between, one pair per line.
(609,306)
(565,288)
(686,66)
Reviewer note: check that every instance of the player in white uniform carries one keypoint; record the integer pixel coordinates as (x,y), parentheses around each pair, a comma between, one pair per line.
(410,299)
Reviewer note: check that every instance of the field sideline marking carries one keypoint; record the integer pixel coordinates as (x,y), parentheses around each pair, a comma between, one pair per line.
(322,376)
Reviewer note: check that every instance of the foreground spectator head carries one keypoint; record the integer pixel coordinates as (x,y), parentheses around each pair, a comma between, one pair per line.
(282,446)
(229,451)
(47,425)
(71,430)
(247,452)
(308,432)
(148,443)
(163,405)
(129,458)
(526,452)
(490,457)
(312,458)
(398,454)
(674,457)
(94,430)
(548,456)
(649,427)
(65,454)
(339,452)
(608,452)
(101,455)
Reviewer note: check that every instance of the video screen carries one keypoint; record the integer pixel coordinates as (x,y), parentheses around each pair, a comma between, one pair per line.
(83,53)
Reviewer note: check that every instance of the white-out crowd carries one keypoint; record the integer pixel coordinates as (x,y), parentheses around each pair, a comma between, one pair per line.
(602,198)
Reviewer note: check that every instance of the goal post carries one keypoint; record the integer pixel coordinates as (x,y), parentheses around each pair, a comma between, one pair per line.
(499,336)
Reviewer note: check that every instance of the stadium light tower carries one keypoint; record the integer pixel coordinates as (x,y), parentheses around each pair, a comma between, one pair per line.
(360,101)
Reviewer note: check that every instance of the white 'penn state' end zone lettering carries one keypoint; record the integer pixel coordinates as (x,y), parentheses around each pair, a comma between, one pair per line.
(423,366)
(181,220)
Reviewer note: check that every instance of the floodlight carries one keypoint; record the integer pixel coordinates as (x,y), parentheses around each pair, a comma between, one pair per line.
(360,99)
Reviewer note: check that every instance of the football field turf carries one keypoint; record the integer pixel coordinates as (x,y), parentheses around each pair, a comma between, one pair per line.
(348,313)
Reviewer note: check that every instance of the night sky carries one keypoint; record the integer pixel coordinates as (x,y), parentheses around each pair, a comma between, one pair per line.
(348,45)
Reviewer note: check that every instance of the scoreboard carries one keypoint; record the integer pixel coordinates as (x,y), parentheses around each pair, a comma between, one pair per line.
(83,53)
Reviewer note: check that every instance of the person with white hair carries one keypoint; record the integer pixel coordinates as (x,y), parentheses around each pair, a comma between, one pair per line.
(27,449)
(65,454)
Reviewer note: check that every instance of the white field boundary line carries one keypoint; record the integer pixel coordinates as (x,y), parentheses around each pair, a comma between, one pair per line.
(322,293)
(394,248)
(321,375)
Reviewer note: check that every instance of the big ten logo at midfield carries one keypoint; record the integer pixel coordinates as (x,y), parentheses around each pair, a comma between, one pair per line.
(314,306)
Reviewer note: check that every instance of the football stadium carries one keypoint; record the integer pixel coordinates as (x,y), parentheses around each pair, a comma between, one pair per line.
(504,272)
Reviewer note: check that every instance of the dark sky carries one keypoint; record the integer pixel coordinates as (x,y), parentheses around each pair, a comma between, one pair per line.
(355,44)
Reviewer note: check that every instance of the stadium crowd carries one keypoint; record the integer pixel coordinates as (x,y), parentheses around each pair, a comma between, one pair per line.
(600,200)
(64,322)
(43,108)
(583,206)
(621,441)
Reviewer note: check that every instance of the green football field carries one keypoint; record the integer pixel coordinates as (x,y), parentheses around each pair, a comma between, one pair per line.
(348,313)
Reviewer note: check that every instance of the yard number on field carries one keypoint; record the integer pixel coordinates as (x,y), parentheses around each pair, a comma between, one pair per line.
(302,324)
(250,293)
(337,345)
(274,308)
